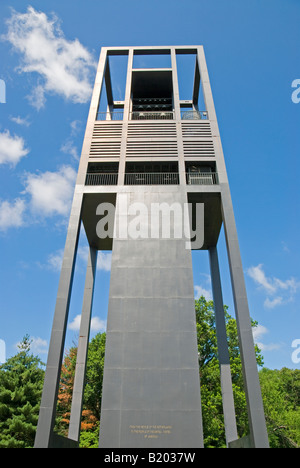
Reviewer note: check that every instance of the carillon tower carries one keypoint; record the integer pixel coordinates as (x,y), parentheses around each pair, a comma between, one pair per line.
(151,187)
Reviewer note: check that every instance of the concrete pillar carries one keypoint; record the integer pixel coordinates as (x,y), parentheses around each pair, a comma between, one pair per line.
(84,333)
(257,423)
(56,348)
(225,373)
(151,387)
(176,100)
(126,118)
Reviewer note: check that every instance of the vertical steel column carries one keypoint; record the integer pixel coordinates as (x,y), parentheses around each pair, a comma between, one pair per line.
(44,434)
(224,362)
(258,430)
(84,333)
(257,423)
(126,117)
(55,355)
(176,100)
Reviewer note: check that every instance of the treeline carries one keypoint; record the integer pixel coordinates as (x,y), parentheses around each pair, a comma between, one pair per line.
(21,381)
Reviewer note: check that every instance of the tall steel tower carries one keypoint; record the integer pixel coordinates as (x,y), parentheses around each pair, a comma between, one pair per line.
(151,186)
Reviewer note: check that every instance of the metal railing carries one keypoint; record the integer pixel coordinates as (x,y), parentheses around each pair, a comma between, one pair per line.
(205,178)
(97,178)
(116,115)
(194,115)
(148,115)
(152,178)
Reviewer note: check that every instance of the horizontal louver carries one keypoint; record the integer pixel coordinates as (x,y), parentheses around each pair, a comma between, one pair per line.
(105,149)
(151,140)
(151,149)
(151,130)
(196,130)
(194,148)
(110,130)
(106,140)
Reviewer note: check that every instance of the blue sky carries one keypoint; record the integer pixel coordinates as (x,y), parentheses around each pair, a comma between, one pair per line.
(48,54)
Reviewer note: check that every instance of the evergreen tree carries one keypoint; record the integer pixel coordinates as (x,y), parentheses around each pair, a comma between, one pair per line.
(21,381)
(280,389)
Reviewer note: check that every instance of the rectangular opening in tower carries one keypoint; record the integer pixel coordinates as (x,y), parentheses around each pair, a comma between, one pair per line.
(152,94)
(112,96)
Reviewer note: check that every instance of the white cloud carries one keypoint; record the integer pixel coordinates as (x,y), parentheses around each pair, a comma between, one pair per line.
(51,192)
(103,258)
(12,148)
(37,97)
(258,275)
(279,290)
(200,291)
(258,333)
(104,261)
(20,121)
(75,324)
(63,66)
(69,148)
(39,345)
(271,303)
(97,325)
(75,126)
(11,214)
(54,261)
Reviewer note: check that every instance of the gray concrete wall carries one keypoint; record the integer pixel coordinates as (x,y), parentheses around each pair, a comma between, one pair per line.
(151,392)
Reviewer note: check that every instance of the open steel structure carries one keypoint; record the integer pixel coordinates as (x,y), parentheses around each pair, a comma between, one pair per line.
(151,149)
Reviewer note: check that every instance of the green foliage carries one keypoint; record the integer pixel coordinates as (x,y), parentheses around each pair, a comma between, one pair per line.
(92,393)
(211,396)
(94,374)
(281,395)
(90,439)
(65,392)
(21,381)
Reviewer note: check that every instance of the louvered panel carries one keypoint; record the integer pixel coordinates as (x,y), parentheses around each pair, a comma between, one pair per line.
(107,130)
(105,148)
(198,148)
(151,130)
(151,149)
(196,130)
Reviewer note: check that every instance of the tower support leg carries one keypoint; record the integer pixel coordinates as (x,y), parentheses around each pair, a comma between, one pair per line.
(257,423)
(44,434)
(224,362)
(84,333)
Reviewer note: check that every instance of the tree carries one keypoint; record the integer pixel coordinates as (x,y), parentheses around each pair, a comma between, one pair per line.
(21,381)
(211,396)
(280,389)
(94,374)
(281,395)
(92,393)
(64,398)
